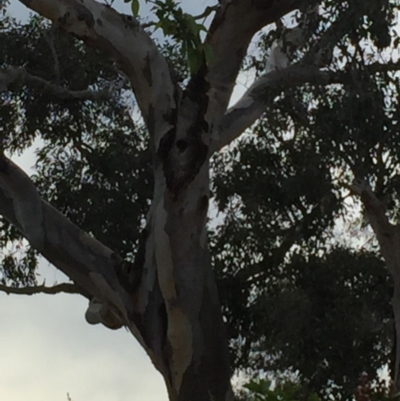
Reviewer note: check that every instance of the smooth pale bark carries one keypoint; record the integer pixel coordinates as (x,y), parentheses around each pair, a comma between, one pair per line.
(388,236)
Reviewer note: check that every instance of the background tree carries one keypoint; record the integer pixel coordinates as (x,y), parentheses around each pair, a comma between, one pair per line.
(103,164)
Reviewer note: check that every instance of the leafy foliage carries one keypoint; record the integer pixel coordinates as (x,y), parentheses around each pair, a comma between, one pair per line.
(92,156)
(264,390)
(281,192)
(183,28)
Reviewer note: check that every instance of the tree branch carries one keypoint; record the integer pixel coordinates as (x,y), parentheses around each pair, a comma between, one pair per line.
(41,289)
(321,52)
(235,23)
(122,38)
(280,74)
(88,263)
(19,76)
(253,103)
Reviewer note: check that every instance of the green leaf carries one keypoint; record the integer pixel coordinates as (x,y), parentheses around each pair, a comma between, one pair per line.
(194,57)
(208,53)
(193,27)
(135,5)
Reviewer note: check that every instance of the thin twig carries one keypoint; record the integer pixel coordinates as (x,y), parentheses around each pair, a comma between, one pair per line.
(41,289)
(20,76)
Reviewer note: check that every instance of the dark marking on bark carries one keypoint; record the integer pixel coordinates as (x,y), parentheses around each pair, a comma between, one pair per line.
(181,145)
(162,313)
(147,71)
(63,19)
(198,86)
(203,203)
(4,165)
(83,14)
(130,21)
(196,151)
(99,22)
(165,146)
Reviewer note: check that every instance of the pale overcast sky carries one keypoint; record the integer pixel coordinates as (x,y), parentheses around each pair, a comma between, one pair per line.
(48,350)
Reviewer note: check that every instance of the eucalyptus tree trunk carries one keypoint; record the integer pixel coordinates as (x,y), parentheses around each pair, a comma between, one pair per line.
(168,298)
(178,305)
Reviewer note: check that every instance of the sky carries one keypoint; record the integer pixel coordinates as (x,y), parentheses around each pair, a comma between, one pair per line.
(47,350)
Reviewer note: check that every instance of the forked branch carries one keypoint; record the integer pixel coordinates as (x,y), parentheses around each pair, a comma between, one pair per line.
(16,76)
(235,23)
(122,38)
(254,102)
(41,289)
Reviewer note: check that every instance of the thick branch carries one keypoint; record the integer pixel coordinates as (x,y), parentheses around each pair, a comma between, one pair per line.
(386,233)
(251,106)
(87,262)
(19,76)
(235,23)
(41,289)
(122,38)
(254,102)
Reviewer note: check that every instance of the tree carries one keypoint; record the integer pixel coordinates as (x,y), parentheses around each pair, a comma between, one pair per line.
(164,292)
